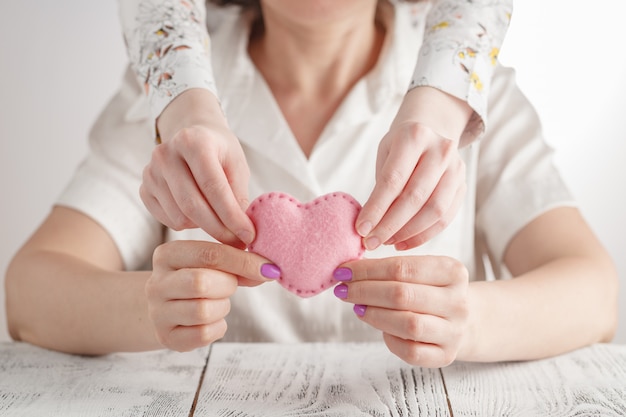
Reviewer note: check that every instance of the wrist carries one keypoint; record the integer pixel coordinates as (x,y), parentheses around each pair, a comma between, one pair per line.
(193,107)
(444,113)
(469,351)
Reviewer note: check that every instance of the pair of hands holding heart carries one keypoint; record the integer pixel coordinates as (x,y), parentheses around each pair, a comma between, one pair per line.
(199,179)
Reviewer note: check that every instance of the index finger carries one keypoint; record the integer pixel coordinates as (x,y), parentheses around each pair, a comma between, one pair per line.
(181,254)
(439,271)
(219,192)
(391,179)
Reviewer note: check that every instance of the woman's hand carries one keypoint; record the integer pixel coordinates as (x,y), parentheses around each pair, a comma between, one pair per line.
(198,176)
(419,303)
(420,176)
(190,286)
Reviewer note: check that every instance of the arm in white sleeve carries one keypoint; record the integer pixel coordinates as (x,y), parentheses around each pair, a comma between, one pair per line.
(460,51)
(168,46)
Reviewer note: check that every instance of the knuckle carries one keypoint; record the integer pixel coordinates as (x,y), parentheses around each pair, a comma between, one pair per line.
(373,209)
(414,355)
(439,209)
(448,148)
(159,156)
(448,356)
(402,269)
(444,222)
(417,240)
(461,309)
(392,179)
(226,308)
(160,254)
(209,334)
(190,207)
(184,137)
(222,234)
(248,266)
(179,222)
(202,311)
(458,272)
(415,197)
(145,194)
(402,296)
(213,187)
(199,283)
(210,255)
(415,327)
(412,132)
(387,229)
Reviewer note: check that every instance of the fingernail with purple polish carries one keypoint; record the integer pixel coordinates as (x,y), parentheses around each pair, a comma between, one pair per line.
(359,309)
(270,271)
(342,274)
(341,291)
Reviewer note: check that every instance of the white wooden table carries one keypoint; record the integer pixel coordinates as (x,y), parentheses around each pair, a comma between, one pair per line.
(305,380)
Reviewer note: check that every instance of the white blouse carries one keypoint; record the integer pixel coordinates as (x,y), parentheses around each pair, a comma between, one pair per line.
(511,178)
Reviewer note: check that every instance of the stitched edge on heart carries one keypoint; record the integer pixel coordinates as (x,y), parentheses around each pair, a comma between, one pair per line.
(325,284)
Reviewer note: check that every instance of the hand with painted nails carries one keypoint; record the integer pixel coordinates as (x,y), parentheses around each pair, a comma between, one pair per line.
(420,303)
(198,176)
(190,288)
(420,175)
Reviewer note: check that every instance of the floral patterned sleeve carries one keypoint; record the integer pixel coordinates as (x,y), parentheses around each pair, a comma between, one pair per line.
(169,49)
(460,51)
(168,46)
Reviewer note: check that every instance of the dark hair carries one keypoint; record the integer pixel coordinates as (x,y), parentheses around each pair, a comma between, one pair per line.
(242,3)
(254,4)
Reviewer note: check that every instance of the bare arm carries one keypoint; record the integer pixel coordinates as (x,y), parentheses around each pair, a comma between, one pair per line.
(66,291)
(563,296)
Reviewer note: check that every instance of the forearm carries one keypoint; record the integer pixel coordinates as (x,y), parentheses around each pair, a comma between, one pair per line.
(63,303)
(563,305)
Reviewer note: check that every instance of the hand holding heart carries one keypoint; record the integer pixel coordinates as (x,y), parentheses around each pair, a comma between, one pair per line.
(420,303)
(189,290)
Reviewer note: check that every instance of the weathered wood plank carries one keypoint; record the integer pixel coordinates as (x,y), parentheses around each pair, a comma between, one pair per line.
(316,380)
(587,382)
(38,382)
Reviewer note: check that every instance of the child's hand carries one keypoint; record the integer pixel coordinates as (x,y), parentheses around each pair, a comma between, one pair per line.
(190,287)
(420,176)
(419,303)
(198,176)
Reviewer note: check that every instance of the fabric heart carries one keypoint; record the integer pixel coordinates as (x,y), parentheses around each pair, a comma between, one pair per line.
(306,241)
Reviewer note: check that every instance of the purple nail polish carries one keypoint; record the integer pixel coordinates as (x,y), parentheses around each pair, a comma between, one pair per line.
(342,274)
(359,309)
(341,291)
(270,271)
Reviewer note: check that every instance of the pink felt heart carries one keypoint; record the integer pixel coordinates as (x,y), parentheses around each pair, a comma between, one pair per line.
(306,241)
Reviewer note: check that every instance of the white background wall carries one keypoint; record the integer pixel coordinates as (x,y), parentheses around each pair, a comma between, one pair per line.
(60,62)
